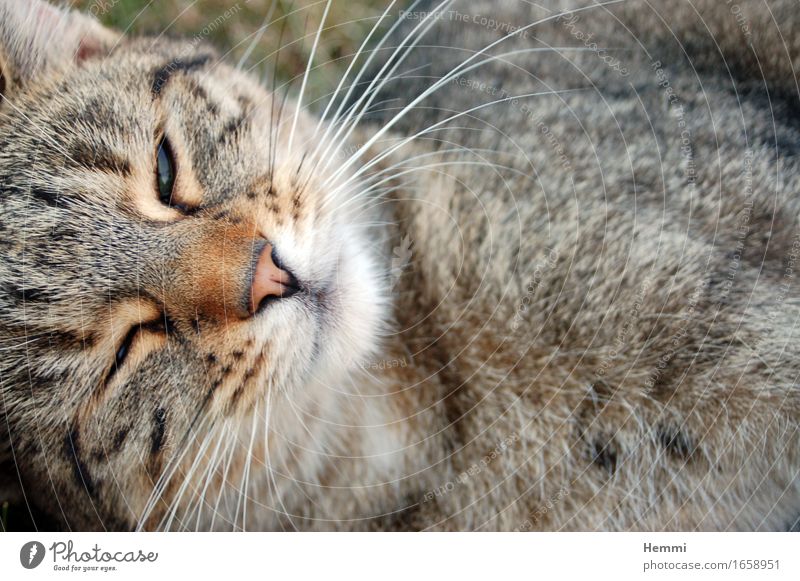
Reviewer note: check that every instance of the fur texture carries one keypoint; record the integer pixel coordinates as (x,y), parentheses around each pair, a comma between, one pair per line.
(595,329)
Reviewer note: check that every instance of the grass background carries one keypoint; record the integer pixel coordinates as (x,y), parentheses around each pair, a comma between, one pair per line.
(231,25)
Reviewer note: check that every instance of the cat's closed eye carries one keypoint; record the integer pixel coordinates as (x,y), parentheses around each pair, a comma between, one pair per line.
(140,340)
(125,348)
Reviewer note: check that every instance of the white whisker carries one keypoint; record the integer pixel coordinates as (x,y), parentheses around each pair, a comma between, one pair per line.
(266,23)
(246,471)
(305,76)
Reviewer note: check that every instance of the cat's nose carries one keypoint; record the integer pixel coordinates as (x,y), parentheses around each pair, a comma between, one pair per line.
(271,280)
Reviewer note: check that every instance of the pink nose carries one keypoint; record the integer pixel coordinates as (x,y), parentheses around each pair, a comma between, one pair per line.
(270,281)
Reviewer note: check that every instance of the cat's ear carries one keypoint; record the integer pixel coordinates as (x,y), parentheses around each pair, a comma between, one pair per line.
(37,38)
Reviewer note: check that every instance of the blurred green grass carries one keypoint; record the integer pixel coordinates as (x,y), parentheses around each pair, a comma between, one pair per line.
(231,25)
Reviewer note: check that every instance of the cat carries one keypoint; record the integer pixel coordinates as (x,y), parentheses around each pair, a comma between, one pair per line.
(532,268)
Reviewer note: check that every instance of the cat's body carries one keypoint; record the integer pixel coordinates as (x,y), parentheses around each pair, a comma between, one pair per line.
(595,328)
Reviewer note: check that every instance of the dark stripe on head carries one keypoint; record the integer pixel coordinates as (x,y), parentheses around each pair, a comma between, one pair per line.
(97,158)
(120,438)
(47,196)
(24,294)
(155,464)
(61,233)
(45,380)
(79,470)
(232,129)
(70,340)
(159,430)
(162,75)
(237,395)
(200,94)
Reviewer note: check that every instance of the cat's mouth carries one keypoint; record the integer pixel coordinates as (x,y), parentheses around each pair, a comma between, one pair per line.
(313,299)
(268,301)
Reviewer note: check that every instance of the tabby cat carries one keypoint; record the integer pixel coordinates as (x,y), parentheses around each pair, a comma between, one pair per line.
(532,267)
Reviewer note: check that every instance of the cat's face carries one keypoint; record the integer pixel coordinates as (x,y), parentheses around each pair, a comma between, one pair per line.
(143,192)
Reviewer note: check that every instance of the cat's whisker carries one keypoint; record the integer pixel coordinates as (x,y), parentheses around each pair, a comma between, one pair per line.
(370,192)
(273,56)
(332,156)
(332,193)
(188,480)
(435,87)
(228,461)
(174,503)
(331,98)
(458,70)
(266,23)
(394,173)
(373,181)
(305,76)
(201,423)
(326,139)
(298,461)
(166,476)
(246,472)
(318,158)
(221,471)
(364,188)
(434,127)
(352,193)
(276,123)
(372,90)
(346,74)
(211,468)
(374,224)
(164,29)
(268,459)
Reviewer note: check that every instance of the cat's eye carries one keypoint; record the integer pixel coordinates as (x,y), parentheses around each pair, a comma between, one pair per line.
(165,173)
(124,349)
(140,340)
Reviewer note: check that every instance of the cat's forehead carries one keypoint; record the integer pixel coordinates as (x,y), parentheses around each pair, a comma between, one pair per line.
(166,73)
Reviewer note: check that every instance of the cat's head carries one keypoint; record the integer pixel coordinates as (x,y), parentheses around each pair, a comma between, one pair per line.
(172,253)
